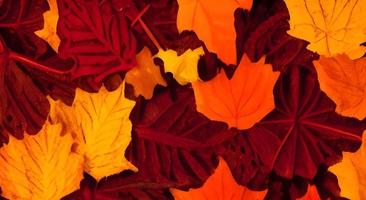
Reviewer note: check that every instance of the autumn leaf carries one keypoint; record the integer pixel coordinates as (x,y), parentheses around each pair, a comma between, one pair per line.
(342,79)
(213,22)
(44,166)
(351,173)
(331,27)
(183,67)
(105,130)
(241,101)
(221,186)
(311,194)
(145,75)
(49,32)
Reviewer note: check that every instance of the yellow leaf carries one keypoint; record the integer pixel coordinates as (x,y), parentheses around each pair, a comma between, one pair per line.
(145,75)
(241,101)
(105,132)
(219,186)
(183,67)
(43,166)
(351,173)
(213,22)
(343,80)
(49,31)
(331,27)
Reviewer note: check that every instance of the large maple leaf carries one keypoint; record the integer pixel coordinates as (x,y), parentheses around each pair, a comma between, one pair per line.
(303,132)
(97,36)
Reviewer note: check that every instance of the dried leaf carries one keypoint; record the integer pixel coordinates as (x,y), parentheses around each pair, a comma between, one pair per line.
(48,32)
(241,101)
(105,130)
(213,22)
(44,166)
(145,75)
(342,79)
(331,27)
(351,173)
(183,67)
(220,185)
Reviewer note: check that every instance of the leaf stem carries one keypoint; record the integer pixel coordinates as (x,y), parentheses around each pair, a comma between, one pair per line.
(20,58)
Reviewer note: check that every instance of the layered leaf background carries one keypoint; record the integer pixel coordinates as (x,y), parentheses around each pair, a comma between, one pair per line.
(182,99)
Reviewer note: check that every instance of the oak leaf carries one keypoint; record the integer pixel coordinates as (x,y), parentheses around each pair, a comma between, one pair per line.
(43,166)
(213,22)
(351,173)
(145,76)
(331,27)
(241,101)
(49,32)
(105,130)
(183,67)
(220,185)
(342,79)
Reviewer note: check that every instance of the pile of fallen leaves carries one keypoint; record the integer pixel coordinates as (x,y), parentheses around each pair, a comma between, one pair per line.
(182,99)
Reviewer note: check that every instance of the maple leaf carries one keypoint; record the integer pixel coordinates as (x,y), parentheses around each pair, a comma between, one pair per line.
(145,75)
(213,22)
(311,194)
(48,33)
(183,67)
(351,173)
(44,166)
(342,79)
(105,130)
(331,27)
(241,101)
(303,132)
(220,185)
(96,37)
(172,141)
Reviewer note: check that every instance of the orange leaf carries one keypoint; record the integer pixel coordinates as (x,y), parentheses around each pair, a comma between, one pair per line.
(241,101)
(331,27)
(351,173)
(213,22)
(343,80)
(219,186)
(311,194)
(145,76)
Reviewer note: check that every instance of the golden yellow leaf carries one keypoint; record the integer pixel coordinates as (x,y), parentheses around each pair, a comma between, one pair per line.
(343,80)
(49,31)
(241,101)
(145,75)
(213,22)
(351,173)
(43,166)
(219,186)
(183,67)
(332,27)
(105,130)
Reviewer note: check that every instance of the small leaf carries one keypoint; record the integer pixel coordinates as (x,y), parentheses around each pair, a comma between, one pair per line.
(342,79)
(105,130)
(241,101)
(145,75)
(183,67)
(219,186)
(213,22)
(351,173)
(43,166)
(331,27)
(49,32)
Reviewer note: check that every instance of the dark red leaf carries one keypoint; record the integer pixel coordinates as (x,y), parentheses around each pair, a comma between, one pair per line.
(171,141)
(96,35)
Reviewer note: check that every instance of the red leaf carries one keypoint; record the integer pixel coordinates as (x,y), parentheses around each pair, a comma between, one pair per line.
(96,36)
